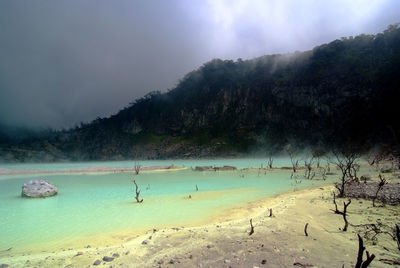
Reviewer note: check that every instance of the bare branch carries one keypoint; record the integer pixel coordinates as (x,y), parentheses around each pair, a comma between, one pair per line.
(292,154)
(137,193)
(305,229)
(389,261)
(270,161)
(137,167)
(303,264)
(398,236)
(345,160)
(308,164)
(346,223)
(360,263)
(382,182)
(343,213)
(336,208)
(252,227)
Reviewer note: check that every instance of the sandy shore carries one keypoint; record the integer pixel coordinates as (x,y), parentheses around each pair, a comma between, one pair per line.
(278,241)
(98,169)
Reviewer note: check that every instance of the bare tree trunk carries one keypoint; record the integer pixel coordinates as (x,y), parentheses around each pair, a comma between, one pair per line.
(269,162)
(137,168)
(137,193)
(346,223)
(343,213)
(305,229)
(382,182)
(308,165)
(292,152)
(334,202)
(252,227)
(360,263)
(346,162)
(398,236)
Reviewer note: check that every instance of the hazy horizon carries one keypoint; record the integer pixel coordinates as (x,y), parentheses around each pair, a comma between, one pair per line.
(69,62)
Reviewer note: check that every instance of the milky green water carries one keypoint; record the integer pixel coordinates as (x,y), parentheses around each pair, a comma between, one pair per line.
(99,204)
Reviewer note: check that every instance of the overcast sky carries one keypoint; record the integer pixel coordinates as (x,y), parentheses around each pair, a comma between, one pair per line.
(63,62)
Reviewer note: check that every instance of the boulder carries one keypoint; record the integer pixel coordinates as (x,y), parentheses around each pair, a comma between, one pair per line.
(38,188)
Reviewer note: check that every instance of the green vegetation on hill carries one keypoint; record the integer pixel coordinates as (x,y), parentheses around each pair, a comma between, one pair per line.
(346,91)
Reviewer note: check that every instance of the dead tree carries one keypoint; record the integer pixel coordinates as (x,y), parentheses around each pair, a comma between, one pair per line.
(137,167)
(346,223)
(322,171)
(317,154)
(295,165)
(397,231)
(343,213)
(345,161)
(389,261)
(382,154)
(251,227)
(353,171)
(303,264)
(137,193)
(269,162)
(374,159)
(334,202)
(382,182)
(292,154)
(372,230)
(305,229)
(360,263)
(308,164)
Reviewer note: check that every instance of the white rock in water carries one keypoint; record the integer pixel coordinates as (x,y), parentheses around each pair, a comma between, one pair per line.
(38,188)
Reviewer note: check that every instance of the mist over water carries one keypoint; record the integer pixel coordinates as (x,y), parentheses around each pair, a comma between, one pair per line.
(237,162)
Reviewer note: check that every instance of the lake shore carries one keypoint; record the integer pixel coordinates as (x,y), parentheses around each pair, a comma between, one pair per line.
(278,241)
(97,169)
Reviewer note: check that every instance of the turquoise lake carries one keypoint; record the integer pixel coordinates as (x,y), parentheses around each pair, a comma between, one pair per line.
(102,204)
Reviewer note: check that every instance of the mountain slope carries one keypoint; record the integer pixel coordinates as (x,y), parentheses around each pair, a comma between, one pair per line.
(346,91)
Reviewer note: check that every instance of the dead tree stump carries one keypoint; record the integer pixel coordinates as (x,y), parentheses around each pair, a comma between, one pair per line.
(252,227)
(360,263)
(346,223)
(343,213)
(398,236)
(382,182)
(305,229)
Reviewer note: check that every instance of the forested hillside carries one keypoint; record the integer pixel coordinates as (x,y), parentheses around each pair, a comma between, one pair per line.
(344,92)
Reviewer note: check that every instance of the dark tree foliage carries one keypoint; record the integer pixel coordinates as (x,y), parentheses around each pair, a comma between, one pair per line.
(346,91)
